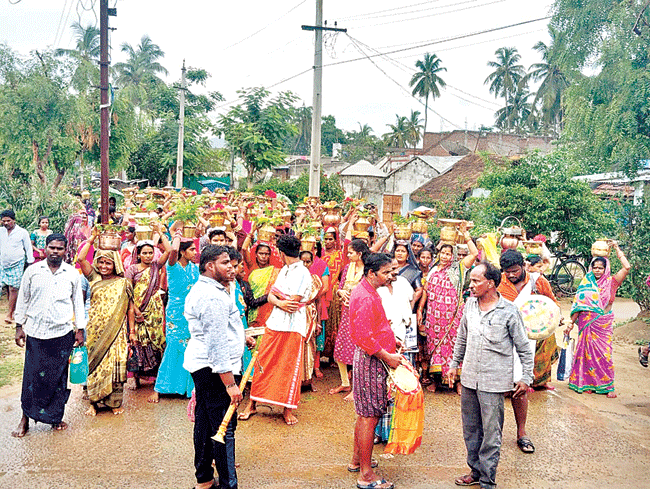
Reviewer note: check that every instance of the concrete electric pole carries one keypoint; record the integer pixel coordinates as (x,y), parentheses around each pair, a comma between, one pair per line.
(314,165)
(104,106)
(181,131)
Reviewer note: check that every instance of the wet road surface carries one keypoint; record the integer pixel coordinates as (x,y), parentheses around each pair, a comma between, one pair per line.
(582,441)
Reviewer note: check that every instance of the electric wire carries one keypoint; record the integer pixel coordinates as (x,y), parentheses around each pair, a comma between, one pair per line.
(65,23)
(394,14)
(56,34)
(265,27)
(387,10)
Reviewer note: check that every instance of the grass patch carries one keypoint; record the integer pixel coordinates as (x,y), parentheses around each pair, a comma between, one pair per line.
(11,357)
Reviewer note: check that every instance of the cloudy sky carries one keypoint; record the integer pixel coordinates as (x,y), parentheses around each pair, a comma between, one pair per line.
(260,43)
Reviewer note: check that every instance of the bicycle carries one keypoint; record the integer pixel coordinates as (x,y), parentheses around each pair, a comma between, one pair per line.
(567,273)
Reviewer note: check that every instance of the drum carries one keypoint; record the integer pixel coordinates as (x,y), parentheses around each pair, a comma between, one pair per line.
(541,316)
(404,378)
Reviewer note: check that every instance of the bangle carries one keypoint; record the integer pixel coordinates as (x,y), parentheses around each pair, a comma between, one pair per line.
(234,384)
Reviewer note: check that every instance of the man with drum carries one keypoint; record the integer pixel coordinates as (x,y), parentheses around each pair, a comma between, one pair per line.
(374,343)
(489,329)
(517,285)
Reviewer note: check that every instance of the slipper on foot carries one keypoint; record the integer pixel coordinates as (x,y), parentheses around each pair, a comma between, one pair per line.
(374,463)
(467,480)
(525,445)
(643,359)
(378,484)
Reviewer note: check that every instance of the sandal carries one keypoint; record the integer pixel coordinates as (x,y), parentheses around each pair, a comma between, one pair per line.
(378,484)
(643,359)
(374,463)
(525,445)
(467,480)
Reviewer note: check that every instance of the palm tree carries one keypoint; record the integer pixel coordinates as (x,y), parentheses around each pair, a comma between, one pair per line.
(427,81)
(364,131)
(142,64)
(506,75)
(414,126)
(518,113)
(86,55)
(399,133)
(553,80)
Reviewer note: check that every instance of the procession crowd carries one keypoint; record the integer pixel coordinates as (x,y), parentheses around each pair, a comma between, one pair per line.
(175,311)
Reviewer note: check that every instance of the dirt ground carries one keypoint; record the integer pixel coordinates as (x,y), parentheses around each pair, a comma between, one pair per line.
(582,441)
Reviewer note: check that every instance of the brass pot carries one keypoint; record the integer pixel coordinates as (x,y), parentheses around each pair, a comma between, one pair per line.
(600,248)
(301,210)
(420,226)
(189,230)
(143,233)
(217,218)
(509,242)
(266,233)
(332,217)
(448,235)
(308,243)
(362,224)
(533,247)
(403,231)
(109,241)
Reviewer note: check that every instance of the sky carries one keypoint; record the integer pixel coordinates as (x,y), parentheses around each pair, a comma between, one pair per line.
(260,43)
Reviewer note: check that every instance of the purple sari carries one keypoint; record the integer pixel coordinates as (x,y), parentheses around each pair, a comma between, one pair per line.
(593,367)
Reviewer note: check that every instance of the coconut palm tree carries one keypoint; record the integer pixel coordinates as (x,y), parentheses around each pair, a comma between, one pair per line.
(85,54)
(518,113)
(427,82)
(554,80)
(141,69)
(399,133)
(506,76)
(414,126)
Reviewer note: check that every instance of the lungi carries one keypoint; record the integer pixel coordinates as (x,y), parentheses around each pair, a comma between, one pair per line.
(45,378)
(280,376)
(12,275)
(369,385)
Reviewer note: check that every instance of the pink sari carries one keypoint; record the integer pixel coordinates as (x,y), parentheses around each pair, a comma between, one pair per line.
(593,367)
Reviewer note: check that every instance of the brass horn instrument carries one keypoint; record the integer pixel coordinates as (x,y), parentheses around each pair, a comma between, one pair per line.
(221,432)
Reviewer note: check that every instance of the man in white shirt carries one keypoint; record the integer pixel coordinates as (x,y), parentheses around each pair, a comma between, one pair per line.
(15,249)
(49,305)
(214,357)
(280,355)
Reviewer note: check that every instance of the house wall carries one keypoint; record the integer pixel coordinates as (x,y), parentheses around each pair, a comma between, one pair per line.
(363,187)
(497,143)
(410,177)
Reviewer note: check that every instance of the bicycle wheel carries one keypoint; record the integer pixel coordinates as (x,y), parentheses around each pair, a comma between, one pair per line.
(569,276)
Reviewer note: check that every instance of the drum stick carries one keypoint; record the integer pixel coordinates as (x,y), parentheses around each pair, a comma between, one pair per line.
(221,432)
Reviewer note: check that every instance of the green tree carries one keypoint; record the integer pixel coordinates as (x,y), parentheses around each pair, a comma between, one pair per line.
(552,75)
(297,190)
(398,136)
(85,55)
(427,82)
(363,145)
(607,114)
(414,126)
(518,113)
(330,134)
(257,128)
(540,191)
(506,76)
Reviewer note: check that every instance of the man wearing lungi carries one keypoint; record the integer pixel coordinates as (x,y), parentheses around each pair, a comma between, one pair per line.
(214,358)
(49,304)
(15,248)
(489,329)
(280,356)
(375,343)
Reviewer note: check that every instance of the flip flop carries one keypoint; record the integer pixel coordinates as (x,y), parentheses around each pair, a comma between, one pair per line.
(525,445)
(378,484)
(466,480)
(374,463)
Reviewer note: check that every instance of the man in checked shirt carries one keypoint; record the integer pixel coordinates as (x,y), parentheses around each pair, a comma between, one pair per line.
(49,306)
(489,329)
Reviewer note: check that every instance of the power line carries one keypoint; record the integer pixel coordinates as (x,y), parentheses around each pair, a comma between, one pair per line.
(427,44)
(394,14)
(266,26)
(419,17)
(399,84)
(388,10)
(56,34)
(65,23)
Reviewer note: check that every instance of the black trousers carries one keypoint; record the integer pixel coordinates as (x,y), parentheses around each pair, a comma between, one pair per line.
(212,402)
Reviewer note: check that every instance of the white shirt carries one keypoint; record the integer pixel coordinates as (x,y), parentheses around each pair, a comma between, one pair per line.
(48,302)
(398,305)
(217,333)
(15,246)
(293,279)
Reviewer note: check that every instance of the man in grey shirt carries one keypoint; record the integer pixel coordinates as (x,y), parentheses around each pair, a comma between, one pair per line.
(489,329)
(214,357)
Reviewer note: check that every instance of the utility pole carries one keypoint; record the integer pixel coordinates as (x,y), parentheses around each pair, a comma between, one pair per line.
(181,131)
(314,164)
(104,105)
